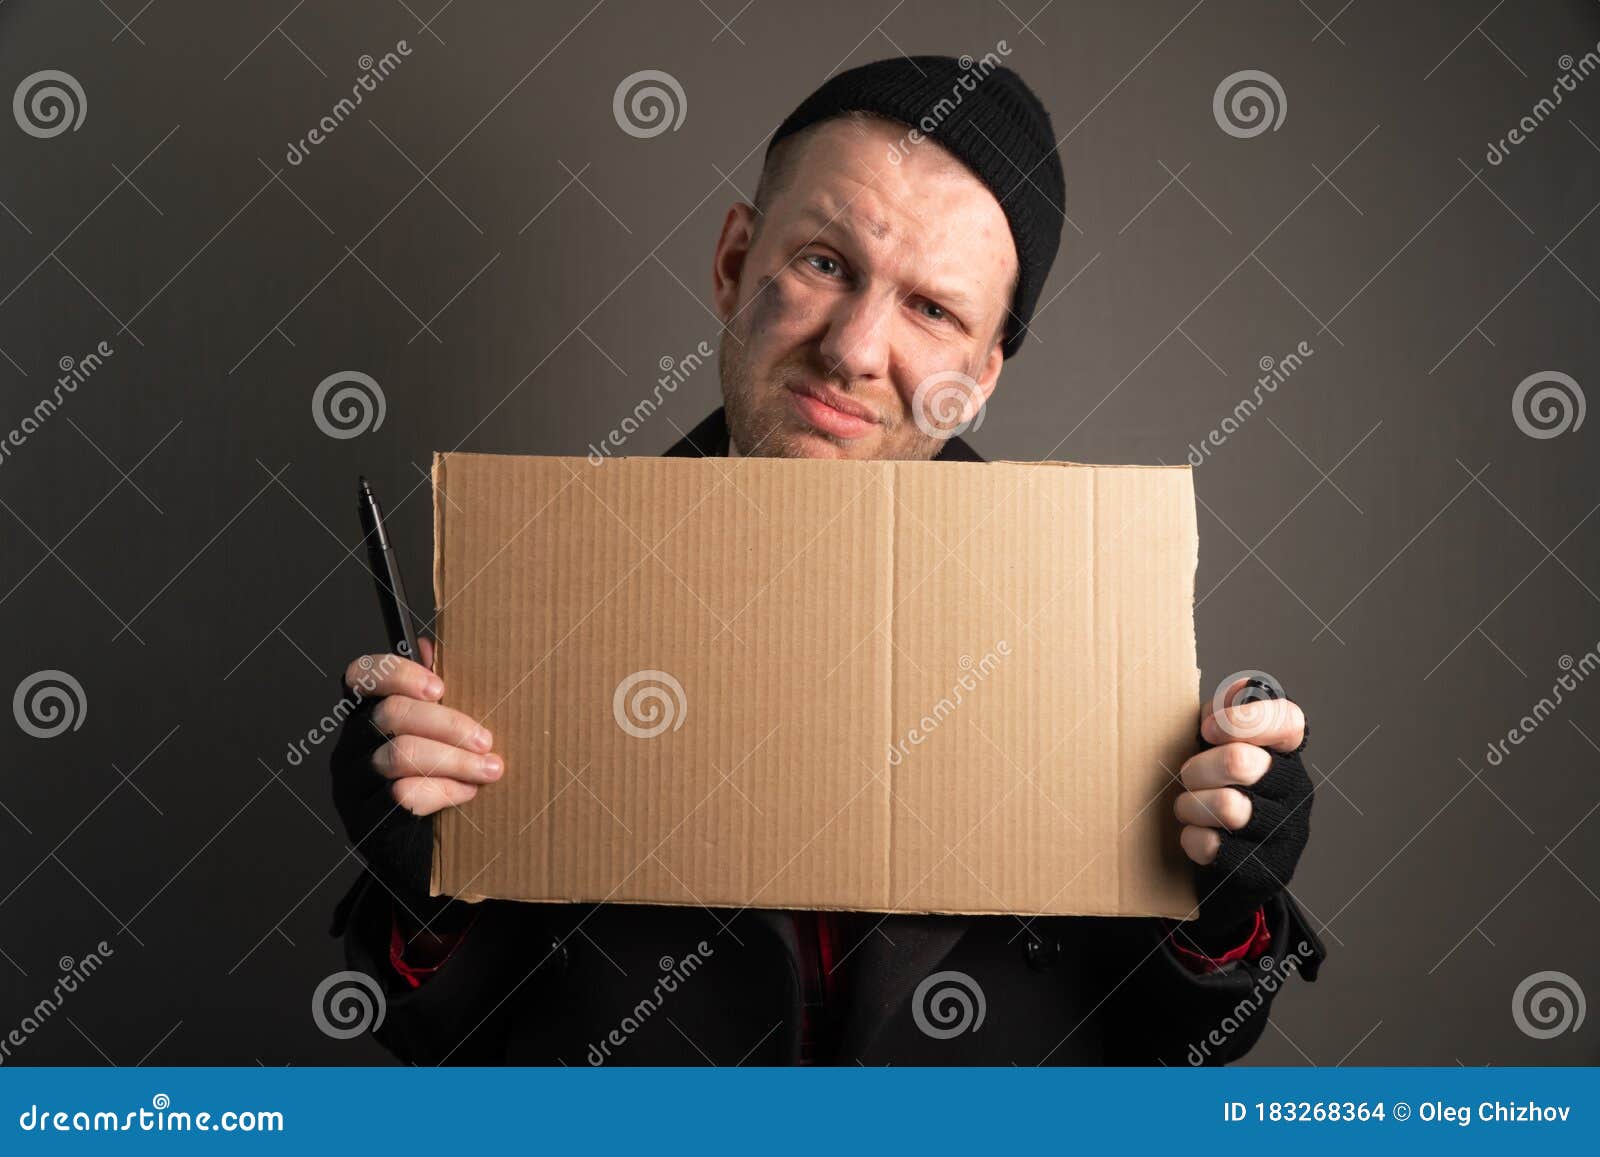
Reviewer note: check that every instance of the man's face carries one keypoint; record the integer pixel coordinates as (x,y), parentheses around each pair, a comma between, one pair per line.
(863,280)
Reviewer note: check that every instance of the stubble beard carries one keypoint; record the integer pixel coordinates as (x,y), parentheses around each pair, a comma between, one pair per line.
(758,418)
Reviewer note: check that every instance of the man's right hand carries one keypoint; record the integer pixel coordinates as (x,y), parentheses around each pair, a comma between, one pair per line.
(433,756)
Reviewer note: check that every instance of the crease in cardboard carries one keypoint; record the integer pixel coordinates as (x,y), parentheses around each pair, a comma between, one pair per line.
(892,664)
(1097,522)
(547,716)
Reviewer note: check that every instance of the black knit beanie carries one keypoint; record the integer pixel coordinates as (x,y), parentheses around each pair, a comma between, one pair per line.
(986,116)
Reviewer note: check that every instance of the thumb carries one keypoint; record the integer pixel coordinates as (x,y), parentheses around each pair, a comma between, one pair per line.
(425,651)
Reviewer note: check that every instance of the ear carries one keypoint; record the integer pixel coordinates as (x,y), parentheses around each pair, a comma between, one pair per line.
(989,376)
(733,246)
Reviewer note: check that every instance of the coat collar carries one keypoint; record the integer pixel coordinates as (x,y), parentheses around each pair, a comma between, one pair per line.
(710,440)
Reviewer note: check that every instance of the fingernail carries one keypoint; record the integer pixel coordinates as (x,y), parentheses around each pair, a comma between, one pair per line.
(492,766)
(435,687)
(482,740)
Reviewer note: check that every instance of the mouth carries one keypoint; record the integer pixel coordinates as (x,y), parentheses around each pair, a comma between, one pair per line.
(831,412)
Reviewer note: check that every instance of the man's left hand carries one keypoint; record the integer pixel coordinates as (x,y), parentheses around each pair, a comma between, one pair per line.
(1246,805)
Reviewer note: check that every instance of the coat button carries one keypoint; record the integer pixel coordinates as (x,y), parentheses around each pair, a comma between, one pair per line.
(1041,954)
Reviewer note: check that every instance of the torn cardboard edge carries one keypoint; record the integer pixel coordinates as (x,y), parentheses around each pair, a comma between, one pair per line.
(770,592)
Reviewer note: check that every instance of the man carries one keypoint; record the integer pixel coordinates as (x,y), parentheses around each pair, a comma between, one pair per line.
(906,219)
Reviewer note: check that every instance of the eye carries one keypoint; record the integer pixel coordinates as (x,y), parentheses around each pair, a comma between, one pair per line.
(824,264)
(934,312)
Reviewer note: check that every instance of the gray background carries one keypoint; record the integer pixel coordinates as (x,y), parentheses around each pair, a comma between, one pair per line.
(1381,535)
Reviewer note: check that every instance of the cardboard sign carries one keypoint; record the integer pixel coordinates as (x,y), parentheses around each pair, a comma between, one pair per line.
(886,686)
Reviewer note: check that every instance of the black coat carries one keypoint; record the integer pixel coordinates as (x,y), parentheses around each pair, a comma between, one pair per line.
(562,983)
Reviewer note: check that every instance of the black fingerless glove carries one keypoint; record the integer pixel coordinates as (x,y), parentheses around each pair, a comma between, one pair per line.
(397,846)
(1256,862)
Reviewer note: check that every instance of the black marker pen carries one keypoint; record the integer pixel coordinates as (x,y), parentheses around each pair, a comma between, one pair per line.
(385,565)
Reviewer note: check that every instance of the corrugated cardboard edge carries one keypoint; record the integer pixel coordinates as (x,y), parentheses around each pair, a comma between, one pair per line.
(435,869)
(1191,569)
(440,508)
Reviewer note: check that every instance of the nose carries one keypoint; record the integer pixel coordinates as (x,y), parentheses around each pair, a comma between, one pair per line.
(856,344)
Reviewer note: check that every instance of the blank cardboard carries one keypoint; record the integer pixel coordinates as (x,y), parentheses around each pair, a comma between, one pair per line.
(884,686)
